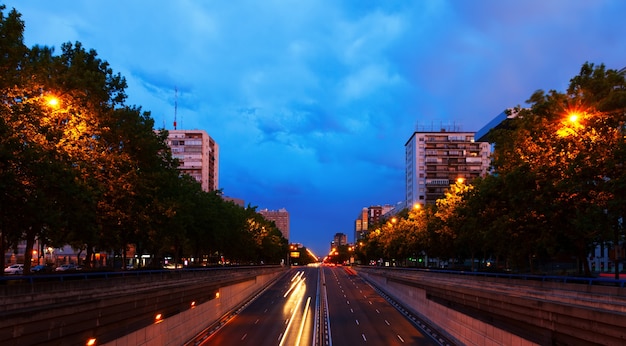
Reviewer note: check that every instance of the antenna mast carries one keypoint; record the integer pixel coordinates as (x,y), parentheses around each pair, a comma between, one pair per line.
(175,105)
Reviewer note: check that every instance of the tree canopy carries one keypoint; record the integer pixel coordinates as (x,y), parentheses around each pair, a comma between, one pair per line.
(556,190)
(78,166)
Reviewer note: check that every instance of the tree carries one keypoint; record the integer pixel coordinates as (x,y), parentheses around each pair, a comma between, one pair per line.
(566,149)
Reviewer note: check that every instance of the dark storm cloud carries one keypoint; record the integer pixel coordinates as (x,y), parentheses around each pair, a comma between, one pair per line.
(311,105)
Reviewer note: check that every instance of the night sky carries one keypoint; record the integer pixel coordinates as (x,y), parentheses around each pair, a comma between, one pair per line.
(311,102)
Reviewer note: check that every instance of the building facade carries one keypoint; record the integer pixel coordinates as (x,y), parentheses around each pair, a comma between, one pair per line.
(435,160)
(280,218)
(369,216)
(339,239)
(198,154)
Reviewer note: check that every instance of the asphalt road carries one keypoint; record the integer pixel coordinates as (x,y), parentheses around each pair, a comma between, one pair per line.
(359,316)
(286,314)
(282,315)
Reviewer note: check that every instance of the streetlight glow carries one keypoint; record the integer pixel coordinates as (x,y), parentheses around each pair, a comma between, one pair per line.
(52,101)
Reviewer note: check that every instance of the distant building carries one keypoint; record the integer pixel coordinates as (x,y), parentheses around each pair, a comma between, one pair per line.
(280,218)
(237,201)
(339,239)
(369,216)
(435,160)
(198,154)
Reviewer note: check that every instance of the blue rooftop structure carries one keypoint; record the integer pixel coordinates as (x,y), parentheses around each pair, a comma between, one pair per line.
(498,122)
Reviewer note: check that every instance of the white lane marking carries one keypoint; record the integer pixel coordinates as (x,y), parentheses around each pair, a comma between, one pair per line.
(378,312)
(387,322)
(352,311)
(257,321)
(399,337)
(357,322)
(244,336)
(364,338)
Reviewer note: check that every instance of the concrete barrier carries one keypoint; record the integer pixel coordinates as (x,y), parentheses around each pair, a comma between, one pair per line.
(494,311)
(156,308)
(182,327)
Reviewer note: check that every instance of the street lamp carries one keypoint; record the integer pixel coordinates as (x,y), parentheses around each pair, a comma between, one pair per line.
(570,125)
(52,101)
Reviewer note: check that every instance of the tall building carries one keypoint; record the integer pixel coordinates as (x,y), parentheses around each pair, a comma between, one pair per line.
(369,216)
(435,160)
(198,154)
(280,218)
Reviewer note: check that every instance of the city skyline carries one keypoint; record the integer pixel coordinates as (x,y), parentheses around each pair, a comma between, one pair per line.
(311,105)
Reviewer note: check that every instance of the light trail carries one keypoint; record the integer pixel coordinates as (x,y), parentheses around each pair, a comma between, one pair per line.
(298,277)
(306,310)
(282,341)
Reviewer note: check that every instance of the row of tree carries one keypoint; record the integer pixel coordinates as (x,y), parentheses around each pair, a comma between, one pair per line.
(78,166)
(557,189)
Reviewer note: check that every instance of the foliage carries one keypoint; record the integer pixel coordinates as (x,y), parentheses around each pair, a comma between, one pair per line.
(557,188)
(81,167)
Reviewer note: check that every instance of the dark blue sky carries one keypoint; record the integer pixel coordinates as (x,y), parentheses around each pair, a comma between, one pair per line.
(311,102)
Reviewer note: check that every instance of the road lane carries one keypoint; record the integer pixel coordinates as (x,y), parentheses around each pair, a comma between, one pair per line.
(285,314)
(282,315)
(359,316)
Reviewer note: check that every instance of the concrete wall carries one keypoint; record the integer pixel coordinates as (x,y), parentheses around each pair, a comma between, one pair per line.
(462,328)
(71,309)
(182,327)
(495,311)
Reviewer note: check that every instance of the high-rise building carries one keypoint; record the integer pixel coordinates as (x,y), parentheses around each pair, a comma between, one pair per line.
(280,218)
(198,155)
(435,160)
(369,216)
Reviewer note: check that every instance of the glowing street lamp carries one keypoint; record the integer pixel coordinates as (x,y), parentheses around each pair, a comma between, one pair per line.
(53,101)
(570,125)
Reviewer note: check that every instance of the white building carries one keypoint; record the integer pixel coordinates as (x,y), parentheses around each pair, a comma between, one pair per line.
(435,160)
(198,154)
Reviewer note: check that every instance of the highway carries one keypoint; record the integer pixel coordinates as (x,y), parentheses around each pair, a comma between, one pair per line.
(322,306)
(360,316)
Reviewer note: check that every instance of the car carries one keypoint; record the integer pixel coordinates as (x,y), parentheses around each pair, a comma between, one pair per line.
(14,269)
(67,268)
(40,269)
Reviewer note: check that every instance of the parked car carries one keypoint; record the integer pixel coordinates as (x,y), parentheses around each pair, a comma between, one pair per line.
(68,268)
(14,269)
(41,268)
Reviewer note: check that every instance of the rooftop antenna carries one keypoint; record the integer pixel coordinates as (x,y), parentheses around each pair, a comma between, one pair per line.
(175,105)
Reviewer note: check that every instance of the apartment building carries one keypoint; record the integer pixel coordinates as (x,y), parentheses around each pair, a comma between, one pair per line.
(198,154)
(369,216)
(280,218)
(435,160)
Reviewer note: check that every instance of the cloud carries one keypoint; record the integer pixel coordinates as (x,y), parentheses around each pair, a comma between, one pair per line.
(312,101)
